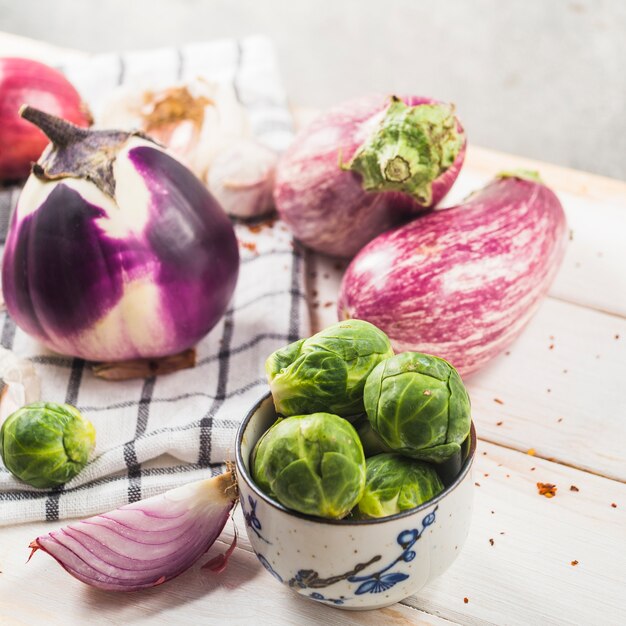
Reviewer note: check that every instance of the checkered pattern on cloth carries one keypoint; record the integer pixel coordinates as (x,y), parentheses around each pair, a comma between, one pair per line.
(158,433)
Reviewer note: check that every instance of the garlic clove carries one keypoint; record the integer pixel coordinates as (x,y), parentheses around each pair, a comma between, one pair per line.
(241,178)
(19,383)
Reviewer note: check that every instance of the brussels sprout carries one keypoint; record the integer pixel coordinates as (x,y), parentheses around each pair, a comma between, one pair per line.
(370,439)
(46,444)
(327,372)
(395,483)
(313,464)
(418,405)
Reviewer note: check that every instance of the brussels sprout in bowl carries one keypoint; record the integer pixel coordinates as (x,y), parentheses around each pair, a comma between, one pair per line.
(353,563)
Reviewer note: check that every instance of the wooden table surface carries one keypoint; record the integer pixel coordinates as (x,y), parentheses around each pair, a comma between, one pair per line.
(553,409)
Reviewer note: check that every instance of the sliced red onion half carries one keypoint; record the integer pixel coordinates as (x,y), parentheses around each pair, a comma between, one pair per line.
(145,543)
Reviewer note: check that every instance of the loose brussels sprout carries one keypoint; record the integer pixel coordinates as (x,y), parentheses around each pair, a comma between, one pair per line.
(327,372)
(395,483)
(418,405)
(46,444)
(313,464)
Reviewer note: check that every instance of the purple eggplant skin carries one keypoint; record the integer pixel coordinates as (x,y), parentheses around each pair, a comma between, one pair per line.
(461,283)
(84,290)
(327,207)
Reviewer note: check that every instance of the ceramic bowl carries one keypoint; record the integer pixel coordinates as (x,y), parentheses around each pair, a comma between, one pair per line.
(364,564)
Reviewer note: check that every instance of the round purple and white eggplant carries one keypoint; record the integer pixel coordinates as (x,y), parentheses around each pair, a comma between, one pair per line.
(365,166)
(461,282)
(116,250)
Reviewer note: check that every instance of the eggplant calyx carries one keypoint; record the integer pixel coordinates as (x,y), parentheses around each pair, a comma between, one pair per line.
(410,147)
(78,152)
(521,174)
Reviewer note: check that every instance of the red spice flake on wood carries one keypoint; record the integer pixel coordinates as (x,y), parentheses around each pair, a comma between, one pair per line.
(499,423)
(613,505)
(616,336)
(559,420)
(498,401)
(574,562)
(551,346)
(327,304)
(465,600)
(258,227)
(249,245)
(338,266)
(546,489)
(314,293)
(486,475)
(574,488)
(507,353)
(548,390)
(491,541)
(477,484)
(532,469)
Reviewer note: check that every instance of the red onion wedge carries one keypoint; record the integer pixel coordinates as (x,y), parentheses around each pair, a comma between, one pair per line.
(461,283)
(148,542)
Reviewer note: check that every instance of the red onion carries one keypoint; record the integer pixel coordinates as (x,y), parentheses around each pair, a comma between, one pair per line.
(116,251)
(145,543)
(461,283)
(365,166)
(23,81)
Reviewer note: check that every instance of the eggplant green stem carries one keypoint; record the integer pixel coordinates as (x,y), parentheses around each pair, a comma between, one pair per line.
(410,148)
(522,174)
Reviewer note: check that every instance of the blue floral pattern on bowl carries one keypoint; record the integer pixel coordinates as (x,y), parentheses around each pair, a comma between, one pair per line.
(252,521)
(374,582)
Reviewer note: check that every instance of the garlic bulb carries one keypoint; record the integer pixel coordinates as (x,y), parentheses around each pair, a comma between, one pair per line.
(195,120)
(241,179)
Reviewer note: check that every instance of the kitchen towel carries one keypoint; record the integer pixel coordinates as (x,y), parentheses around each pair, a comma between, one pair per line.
(158,433)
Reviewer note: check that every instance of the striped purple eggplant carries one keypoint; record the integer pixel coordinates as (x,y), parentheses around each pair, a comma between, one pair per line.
(365,166)
(115,250)
(461,283)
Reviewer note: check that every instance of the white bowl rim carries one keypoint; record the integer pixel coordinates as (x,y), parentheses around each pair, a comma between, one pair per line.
(241,470)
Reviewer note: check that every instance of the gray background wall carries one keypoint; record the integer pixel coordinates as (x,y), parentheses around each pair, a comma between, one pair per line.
(540,78)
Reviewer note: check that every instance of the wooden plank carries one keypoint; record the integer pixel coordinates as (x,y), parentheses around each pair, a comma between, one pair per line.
(526,576)
(559,390)
(564,179)
(40,592)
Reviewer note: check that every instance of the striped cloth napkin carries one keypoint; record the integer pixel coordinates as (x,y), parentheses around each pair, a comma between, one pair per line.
(158,433)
